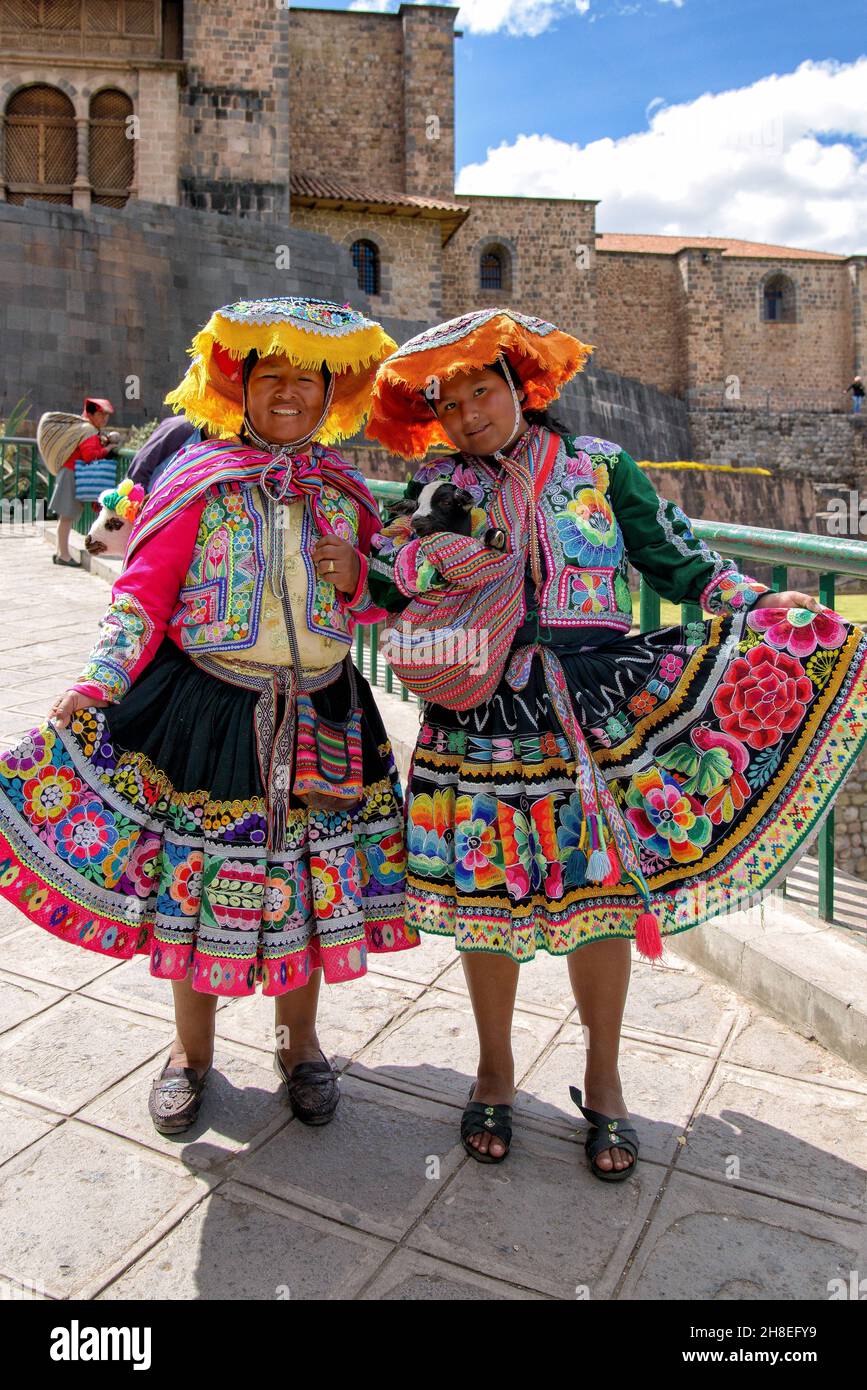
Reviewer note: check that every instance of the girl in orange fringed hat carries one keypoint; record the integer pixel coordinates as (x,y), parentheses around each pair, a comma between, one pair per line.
(613,787)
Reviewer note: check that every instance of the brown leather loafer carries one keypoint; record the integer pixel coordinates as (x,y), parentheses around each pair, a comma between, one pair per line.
(313,1089)
(175,1097)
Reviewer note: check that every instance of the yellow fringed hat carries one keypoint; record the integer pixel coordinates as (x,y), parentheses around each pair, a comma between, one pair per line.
(544,357)
(310,332)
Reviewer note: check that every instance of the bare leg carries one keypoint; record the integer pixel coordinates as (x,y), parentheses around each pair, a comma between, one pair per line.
(492,982)
(599,974)
(295,1022)
(195,1016)
(64,526)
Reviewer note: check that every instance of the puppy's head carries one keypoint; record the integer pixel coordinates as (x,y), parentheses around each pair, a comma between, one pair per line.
(442,507)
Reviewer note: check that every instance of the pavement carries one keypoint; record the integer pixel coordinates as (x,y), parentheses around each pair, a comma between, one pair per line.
(751,1179)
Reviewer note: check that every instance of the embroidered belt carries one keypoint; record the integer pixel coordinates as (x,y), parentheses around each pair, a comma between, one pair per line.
(275,747)
(597,803)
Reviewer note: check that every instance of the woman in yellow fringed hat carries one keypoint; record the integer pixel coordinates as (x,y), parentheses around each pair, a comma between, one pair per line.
(606,787)
(217,791)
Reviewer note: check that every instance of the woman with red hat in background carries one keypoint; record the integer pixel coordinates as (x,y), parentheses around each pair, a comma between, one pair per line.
(93,442)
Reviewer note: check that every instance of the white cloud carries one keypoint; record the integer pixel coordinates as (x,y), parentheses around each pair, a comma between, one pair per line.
(784,160)
(527,17)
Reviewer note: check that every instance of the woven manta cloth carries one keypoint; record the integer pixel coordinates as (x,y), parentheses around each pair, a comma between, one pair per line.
(723,742)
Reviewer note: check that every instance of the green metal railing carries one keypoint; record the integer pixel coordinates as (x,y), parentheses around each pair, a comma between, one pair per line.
(24,475)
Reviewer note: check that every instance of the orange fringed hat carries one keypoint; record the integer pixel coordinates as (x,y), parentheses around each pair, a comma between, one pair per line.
(309,331)
(544,357)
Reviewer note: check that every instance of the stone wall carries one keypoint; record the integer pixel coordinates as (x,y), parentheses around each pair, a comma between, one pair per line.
(347,76)
(429,99)
(850,823)
(235,108)
(638,308)
(693,321)
(152,87)
(367,86)
(90,300)
(811,358)
(644,421)
(542,239)
(821,446)
(410,257)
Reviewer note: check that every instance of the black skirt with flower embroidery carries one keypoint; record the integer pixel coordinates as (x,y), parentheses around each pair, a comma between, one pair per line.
(723,742)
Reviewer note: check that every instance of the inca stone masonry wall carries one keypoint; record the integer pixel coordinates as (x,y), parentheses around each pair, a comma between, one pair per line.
(795,362)
(88,301)
(821,446)
(850,823)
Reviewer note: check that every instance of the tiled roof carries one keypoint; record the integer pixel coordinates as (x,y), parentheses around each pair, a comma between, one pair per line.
(318,189)
(309,190)
(730,246)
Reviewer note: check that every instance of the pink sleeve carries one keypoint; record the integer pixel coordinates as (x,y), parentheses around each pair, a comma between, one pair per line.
(143,600)
(359,605)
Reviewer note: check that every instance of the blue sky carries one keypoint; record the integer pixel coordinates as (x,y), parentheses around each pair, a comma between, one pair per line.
(602,69)
(746,118)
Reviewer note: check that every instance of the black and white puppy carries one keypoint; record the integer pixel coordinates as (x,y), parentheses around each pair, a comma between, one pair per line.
(443,507)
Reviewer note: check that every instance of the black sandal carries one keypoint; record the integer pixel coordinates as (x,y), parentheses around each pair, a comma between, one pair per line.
(495,1120)
(175,1098)
(606,1133)
(313,1089)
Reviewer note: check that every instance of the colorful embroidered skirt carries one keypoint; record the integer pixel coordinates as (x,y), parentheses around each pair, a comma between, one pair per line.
(723,742)
(142,827)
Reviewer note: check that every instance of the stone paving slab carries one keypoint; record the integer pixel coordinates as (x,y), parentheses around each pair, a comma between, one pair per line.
(543,983)
(21,998)
(78,1203)
(710,1242)
(664,1086)
(541,1220)
(73,1051)
(38,955)
(240,1244)
(21,1125)
(764,1044)
(131,985)
(412,1277)
(432,1048)
(348,1023)
(782,1134)
(245,1105)
(379,1163)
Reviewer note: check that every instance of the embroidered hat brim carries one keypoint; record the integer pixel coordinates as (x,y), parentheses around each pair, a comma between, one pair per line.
(308,331)
(543,356)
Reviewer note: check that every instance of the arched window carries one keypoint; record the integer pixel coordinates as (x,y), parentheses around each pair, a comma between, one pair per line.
(495,268)
(40,158)
(491,269)
(778,302)
(112,155)
(365,258)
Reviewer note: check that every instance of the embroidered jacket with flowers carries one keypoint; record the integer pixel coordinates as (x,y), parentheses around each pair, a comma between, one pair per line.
(200,580)
(597,514)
